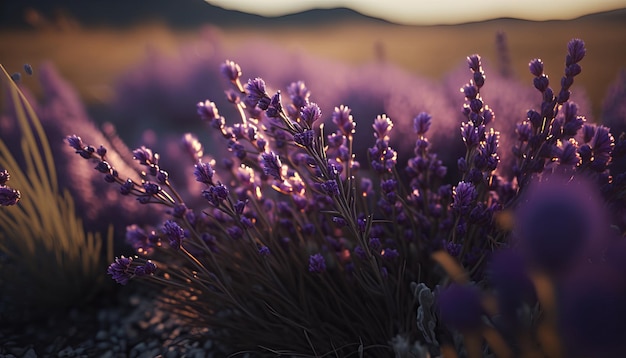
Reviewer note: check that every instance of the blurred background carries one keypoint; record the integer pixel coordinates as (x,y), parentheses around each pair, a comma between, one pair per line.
(119,54)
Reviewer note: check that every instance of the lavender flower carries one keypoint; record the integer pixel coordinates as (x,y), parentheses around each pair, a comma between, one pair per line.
(120,270)
(317,263)
(203,173)
(8,196)
(271,165)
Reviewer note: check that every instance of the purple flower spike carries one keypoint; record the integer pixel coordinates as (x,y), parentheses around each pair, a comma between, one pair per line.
(464,195)
(330,187)
(473,62)
(271,165)
(317,263)
(144,156)
(536,67)
(9,196)
(460,307)
(204,173)
(575,51)
(344,120)
(120,270)
(421,123)
(174,233)
(207,110)
(231,70)
(382,125)
(257,93)
(311,113)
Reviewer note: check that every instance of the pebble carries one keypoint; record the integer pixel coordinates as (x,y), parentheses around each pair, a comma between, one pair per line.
(139,329)
(101,335)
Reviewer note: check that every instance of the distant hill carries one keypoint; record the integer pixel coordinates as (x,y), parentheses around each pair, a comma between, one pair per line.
(178,14)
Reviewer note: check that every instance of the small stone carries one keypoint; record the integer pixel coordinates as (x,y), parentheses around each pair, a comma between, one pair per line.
(30,353)
(108,354)
(103,345)
(66,352)
(18,351)
(171,353)
(101,335)
(141,346)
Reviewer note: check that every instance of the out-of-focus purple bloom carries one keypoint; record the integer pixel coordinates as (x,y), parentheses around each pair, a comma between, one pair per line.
(460,307)
(591,307)
(4,177)
(28,69)
(231,70)
(557,223)
(264,251)
(192,146)
(508,274)
(317,263)
(299,94)
(9,196)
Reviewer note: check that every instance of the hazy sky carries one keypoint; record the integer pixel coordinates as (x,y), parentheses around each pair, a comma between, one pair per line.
(433,11)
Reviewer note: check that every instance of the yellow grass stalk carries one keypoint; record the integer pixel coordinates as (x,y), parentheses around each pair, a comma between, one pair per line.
(41,236)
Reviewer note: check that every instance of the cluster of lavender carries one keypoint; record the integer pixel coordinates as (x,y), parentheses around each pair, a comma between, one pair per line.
(297,248)
(8,195)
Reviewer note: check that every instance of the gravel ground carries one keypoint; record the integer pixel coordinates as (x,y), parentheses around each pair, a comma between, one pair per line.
(129,324)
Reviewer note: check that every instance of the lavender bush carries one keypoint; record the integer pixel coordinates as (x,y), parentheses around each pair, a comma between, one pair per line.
(298,247)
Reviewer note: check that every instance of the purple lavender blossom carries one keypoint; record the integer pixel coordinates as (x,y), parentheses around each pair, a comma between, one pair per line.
(317,263)
(120,270)
(174,233)
(464,195)
(9,196)
(421,123)
(310,114)
(264,251)
(257,93)
(231,70)
(271,165)
(203,172)
(330,187)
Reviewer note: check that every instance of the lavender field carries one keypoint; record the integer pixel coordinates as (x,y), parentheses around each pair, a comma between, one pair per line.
(318,185)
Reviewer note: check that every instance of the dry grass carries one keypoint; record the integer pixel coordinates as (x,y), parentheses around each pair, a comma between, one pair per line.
(91,59)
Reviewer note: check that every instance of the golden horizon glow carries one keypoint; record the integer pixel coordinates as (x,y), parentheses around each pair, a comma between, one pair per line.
(431,12)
